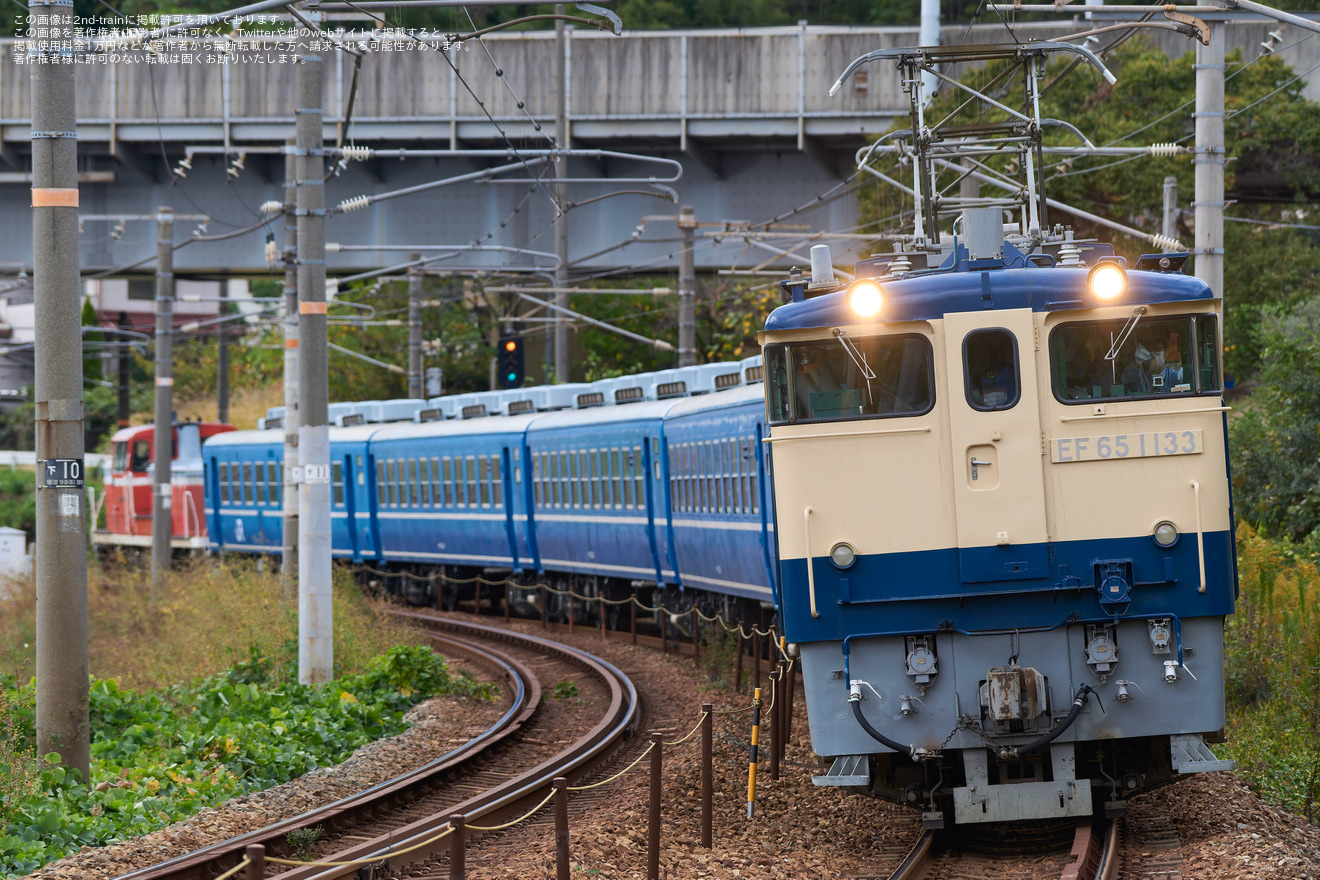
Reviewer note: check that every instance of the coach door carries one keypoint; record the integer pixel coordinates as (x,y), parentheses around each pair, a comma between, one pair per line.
(994,422)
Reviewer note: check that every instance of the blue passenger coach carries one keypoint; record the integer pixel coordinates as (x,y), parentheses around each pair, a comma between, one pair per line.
(654,483)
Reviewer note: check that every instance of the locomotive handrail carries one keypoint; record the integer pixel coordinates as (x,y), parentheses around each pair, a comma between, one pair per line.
(1153,412)
(924,429)
(1200,533)
(190,507)
(811,575)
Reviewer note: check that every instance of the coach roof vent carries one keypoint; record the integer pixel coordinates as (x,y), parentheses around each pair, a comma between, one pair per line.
(752,370)
(446,405)
(552,397)
(706,378)
(474,411)
(337,412)
(631,389)
(516,401)
(430,415)
(401,409)
(588,399)
(270,424)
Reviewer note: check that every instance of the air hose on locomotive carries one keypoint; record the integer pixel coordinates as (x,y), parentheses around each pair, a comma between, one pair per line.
(912,751)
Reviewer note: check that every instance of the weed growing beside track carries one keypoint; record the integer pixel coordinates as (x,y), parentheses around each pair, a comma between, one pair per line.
(162,751)
(1272,659)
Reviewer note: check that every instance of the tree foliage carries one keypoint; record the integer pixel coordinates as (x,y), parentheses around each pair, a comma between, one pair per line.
(1276,444)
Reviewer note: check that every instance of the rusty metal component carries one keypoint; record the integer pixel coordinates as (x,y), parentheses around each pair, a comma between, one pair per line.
(1202,29)
(1016,693)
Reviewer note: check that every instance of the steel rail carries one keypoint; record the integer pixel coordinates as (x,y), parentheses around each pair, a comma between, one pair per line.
(215,859)
(514,797)
(917,860)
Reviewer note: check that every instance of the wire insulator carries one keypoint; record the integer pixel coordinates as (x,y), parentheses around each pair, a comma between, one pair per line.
(1165,150)
(332,247)
(356,154)
(271,207)
(270,253)
(1169,245)
(354,203)
(331,288)
(190,327)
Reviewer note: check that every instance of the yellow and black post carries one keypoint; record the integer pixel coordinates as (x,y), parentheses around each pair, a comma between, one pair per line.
(751,764)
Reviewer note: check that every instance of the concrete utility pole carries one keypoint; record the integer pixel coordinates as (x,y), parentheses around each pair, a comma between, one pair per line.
(61,555)
(315,598)
(289,570)
(687,288)
(1170,229)
(125,373)
(222,357)
(415,386)
(560,335)
(163,450)
(1210,160)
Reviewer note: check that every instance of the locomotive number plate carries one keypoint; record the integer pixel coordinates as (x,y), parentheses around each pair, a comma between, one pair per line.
(1148,444)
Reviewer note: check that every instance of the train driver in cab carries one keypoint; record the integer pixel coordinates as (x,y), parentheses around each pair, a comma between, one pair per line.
(1151,373)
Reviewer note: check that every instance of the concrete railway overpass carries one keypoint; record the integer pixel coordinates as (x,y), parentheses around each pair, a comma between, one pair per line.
(745,111)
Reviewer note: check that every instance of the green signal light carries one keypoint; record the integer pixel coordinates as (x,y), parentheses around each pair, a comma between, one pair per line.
(512,376)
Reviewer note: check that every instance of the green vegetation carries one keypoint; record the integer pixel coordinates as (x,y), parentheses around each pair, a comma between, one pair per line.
(1273,663)
(161,756)
(162,750)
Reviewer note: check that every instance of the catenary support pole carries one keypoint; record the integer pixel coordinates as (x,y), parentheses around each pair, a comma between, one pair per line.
(222,357)
(1209,161)
(315,617)
(687,288)
(560,335)
(415,387)
(929,36)
(125,374)
(1170,228)
(61,556)
(163,448)
(289,569)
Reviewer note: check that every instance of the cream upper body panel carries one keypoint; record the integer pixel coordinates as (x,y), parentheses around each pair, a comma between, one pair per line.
(1117,468)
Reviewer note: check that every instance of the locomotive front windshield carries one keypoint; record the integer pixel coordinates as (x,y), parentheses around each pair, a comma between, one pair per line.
(1137,358)
(849,378)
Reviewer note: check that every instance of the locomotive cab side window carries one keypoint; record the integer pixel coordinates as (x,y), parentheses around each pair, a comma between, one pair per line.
(850,378)
(990,370)
(1139,358)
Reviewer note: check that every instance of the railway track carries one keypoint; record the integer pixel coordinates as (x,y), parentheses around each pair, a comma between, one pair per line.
(497,775)
(1039,852)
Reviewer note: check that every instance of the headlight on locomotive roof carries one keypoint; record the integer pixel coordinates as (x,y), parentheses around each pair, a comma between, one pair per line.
(1106,281)
(1165,534)
(842,555)
(865,298)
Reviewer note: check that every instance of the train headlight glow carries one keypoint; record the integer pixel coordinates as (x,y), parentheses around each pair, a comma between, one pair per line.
(865,298)
(1107,281)
(842,555)
(1165,534)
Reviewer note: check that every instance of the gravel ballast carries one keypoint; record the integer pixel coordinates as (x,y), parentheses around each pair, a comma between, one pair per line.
(799,830)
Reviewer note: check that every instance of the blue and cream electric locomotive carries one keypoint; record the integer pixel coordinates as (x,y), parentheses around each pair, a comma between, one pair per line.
(1005,540)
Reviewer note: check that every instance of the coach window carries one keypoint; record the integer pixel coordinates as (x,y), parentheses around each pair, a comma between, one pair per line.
(850,378)
(380,484)
(273,480)
(424,482)
(224,482)
(483,479)
(437,494)
(990,370)
(337,483)
(497,480)
(1136,358)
